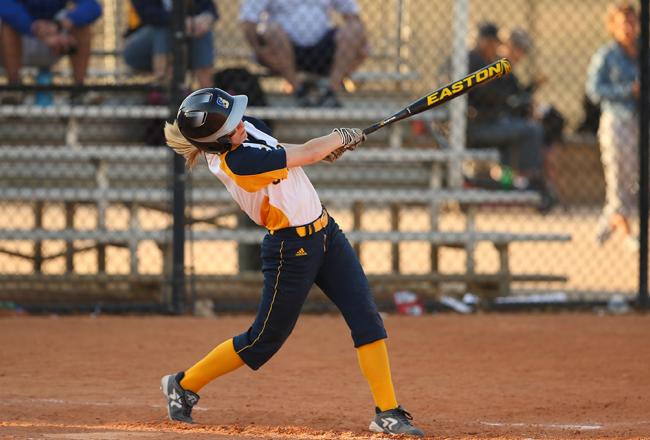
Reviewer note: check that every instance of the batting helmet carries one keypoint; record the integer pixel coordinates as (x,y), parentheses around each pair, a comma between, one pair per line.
(207,117)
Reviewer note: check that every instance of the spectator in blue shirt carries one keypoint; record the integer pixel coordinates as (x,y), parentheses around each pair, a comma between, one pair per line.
(38,32)
(148,43)
(613,82)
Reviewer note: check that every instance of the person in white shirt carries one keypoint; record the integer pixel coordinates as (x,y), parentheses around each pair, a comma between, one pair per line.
(291,36)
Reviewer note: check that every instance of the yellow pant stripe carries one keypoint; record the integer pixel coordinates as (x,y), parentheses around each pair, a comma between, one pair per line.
(275,292)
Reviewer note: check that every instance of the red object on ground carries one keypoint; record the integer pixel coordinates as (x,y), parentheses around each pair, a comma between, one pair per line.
(408,303)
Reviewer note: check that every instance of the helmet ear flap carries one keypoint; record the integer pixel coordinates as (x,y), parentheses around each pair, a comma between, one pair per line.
(224,142)
(221,145)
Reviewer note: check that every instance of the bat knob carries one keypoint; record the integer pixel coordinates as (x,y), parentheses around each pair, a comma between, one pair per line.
(505,64)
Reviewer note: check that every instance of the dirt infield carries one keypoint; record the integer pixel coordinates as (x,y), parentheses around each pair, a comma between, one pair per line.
(484,376)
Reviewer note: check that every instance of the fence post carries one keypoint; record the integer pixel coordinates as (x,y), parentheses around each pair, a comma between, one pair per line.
(458,107)
(178,165)
(643,156)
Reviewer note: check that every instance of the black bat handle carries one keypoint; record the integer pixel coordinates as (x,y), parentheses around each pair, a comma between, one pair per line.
(372,128)
(402,114)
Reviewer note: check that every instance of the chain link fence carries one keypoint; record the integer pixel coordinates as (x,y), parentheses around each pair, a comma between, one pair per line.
(500,198)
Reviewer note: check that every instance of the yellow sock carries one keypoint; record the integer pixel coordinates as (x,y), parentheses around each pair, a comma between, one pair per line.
(218,362)
(373,360)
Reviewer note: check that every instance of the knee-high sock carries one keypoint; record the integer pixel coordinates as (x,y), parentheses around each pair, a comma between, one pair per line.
(373,360)
(218,362)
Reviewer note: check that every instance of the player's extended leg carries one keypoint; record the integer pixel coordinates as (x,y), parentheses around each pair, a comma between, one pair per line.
(290,265)
(181,389)
(342,279)
(289,268)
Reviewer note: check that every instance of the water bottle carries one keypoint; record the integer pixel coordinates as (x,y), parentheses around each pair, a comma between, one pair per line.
(44,98)
(507,177)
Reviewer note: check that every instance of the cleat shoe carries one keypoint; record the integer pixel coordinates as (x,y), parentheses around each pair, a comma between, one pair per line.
(179,401)
(328,100)
(302,95)
(394,421)
(603,232)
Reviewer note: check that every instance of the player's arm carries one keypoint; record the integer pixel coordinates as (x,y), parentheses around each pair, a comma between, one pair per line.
(319,148)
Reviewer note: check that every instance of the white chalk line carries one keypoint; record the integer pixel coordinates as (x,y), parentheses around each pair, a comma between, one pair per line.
(545,425)
(131,403)
(285,432)
(121,402)
(567,426)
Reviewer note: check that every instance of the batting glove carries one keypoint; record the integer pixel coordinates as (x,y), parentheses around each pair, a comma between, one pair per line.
(350,137)
(335,155)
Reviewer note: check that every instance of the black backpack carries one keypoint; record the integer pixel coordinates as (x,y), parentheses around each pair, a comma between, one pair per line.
(591,119)
(239,81)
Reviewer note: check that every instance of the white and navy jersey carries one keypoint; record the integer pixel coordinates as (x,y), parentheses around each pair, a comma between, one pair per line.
(256,175)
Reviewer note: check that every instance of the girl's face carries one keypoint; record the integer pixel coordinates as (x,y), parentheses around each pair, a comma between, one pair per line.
(239,135)
(625,27)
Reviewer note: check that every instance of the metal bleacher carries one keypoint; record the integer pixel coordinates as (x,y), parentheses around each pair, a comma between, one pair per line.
(385,175)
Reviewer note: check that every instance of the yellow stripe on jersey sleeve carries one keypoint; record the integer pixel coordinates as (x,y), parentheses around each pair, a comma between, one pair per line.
(272,218)
(254,182)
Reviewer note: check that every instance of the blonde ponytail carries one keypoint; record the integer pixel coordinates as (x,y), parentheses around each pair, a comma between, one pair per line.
(177,142)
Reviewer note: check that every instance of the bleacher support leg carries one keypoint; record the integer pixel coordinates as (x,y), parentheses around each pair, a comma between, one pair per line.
(134,225)
(504,270)
(470,247)
(101,177)
(248,254)
(394,226)
(69,246)
(433,215)
(38,244)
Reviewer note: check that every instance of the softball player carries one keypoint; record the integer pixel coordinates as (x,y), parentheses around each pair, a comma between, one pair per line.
(304,245)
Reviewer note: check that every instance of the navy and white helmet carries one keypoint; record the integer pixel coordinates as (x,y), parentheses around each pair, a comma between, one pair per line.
(207,117)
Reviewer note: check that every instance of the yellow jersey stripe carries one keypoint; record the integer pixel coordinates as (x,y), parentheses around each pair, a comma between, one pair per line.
(272,217)
(254,182)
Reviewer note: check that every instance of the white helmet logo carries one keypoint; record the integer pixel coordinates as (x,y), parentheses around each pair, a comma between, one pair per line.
(222,102)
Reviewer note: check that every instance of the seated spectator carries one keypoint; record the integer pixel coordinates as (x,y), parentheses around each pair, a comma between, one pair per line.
(38,32)
(298,36)
(148,44)
(516,48)
(498,117)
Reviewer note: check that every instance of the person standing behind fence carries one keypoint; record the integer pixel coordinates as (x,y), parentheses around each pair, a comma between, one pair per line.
(613,81)
(148,44)
(298,35)
(38,33)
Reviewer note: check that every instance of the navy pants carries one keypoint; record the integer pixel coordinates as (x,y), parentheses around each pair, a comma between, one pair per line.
(291,265)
